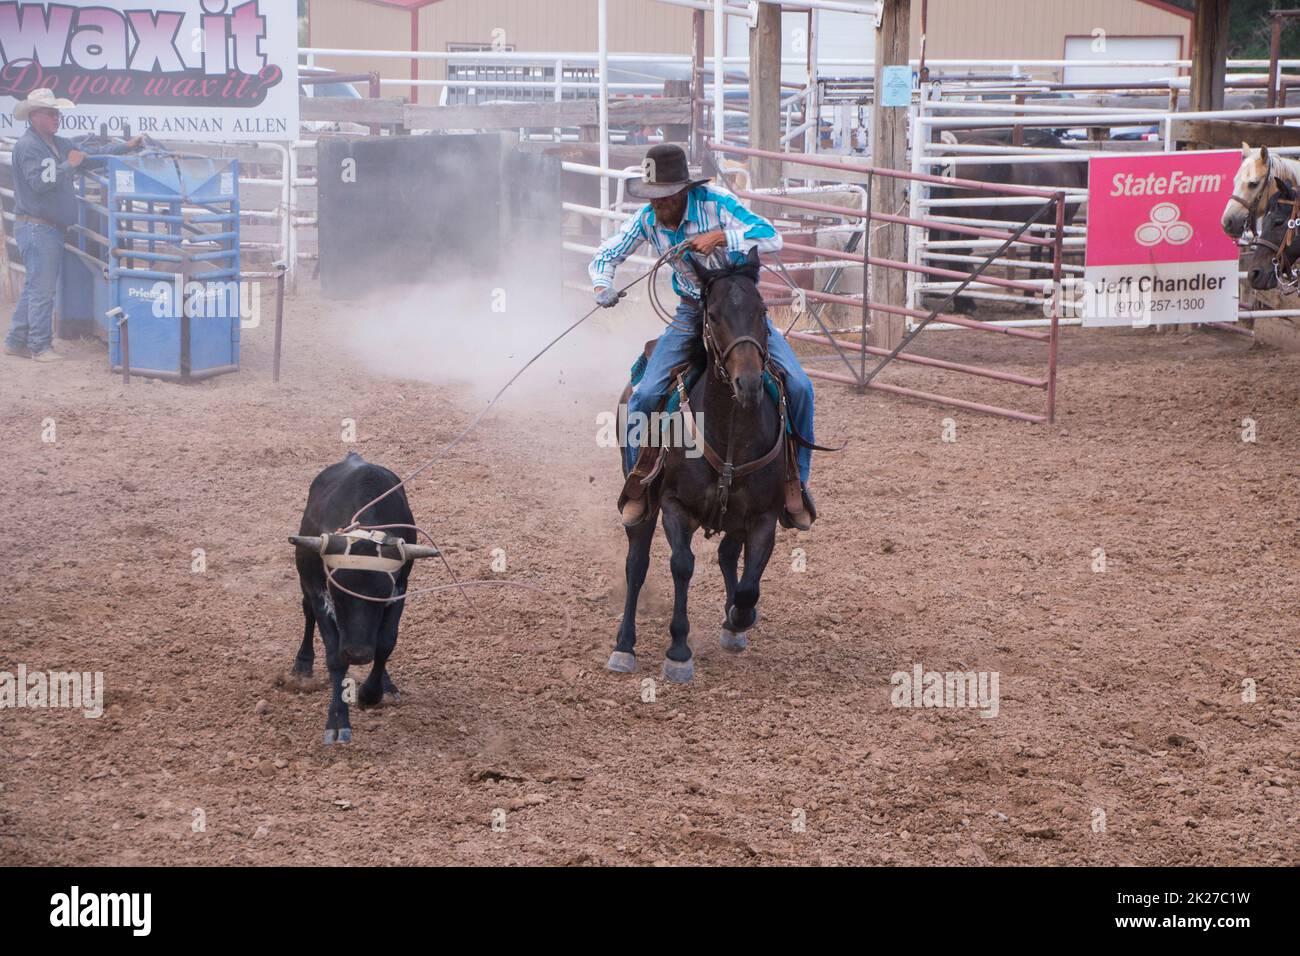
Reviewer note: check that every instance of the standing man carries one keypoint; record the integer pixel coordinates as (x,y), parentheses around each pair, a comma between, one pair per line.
(681,209)
(45,205)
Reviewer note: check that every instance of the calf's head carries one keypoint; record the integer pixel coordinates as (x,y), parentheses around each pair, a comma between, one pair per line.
(362,577)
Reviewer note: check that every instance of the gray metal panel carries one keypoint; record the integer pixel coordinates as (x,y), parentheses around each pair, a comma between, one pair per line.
(421,209)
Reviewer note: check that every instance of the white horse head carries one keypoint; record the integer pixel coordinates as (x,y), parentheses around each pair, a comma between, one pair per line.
(1252,188)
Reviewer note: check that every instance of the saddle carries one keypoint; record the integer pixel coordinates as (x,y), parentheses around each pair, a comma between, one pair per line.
(645,474)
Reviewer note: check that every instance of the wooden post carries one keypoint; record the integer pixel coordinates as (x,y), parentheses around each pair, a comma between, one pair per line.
(375,93)
(1274,54)
(415,46)
(888,151)
(279,322)
(697,86)
(765,93)
(1209,54)
(677,132)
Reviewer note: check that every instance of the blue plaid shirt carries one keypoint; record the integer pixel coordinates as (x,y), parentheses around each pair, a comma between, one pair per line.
(707,208)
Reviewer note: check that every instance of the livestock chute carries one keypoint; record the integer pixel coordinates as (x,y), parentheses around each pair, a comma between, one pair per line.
(156,250)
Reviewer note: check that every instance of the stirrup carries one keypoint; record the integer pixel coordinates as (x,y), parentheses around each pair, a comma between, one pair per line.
(634,511)
(803,518)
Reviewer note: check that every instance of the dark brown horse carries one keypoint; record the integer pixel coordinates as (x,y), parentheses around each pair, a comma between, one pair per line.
(1277,245)
(737,486)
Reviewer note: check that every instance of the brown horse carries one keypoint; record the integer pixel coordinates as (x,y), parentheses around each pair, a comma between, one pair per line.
(740,492)
(1274,251)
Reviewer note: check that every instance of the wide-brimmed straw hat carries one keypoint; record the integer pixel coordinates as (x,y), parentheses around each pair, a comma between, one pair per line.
(666,174)
(41,100)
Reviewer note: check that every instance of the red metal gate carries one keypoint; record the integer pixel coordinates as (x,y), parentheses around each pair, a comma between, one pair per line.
(1052,210)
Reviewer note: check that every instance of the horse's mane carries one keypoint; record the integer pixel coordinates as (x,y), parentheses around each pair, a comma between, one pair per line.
(732,269)
(1287,168)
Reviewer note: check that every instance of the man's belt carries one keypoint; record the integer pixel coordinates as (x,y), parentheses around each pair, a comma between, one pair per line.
(38,221)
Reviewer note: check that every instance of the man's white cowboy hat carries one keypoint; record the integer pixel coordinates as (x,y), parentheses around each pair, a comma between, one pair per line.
(41,100)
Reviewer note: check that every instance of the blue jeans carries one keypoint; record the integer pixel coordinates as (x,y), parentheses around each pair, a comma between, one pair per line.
(674,347)
(41,248)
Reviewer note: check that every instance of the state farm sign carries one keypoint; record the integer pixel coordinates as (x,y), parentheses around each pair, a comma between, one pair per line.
(1156,253)
(174,69)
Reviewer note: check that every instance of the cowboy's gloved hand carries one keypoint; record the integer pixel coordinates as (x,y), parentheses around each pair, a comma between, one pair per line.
(608,297)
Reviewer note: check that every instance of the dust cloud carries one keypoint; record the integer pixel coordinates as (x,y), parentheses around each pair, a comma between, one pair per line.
(473,334)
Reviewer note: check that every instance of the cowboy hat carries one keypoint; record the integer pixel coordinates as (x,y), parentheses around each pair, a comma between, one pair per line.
(41,100)
(666,174)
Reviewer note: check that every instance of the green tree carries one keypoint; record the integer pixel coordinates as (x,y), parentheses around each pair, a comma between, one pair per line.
(1249,28)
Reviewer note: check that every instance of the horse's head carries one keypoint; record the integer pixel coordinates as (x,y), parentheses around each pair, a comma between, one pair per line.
(1277,248)
(1250,190)
(735,326)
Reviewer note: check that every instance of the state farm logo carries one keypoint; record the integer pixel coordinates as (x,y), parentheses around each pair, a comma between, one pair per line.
(1163,226)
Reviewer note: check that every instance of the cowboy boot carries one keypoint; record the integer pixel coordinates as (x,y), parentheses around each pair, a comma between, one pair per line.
(634,502)
(633,512)
(799,511)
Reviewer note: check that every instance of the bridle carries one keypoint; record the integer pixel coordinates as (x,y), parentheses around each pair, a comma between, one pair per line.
(728,471)
(719,356)
(1252,207)
(1282,269)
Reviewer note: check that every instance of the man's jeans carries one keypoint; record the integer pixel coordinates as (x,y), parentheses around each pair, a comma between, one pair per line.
(41,248)
(674,347)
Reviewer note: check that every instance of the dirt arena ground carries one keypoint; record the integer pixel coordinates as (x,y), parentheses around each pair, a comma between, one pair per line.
(1121,693)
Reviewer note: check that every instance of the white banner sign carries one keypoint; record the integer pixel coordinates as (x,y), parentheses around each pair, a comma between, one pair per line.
(183,70)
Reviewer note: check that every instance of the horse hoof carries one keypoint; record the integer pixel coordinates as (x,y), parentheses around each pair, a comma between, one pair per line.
(733,641)
(329,736)
(343,736)
(391,698)
(678,672)
(622,662)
